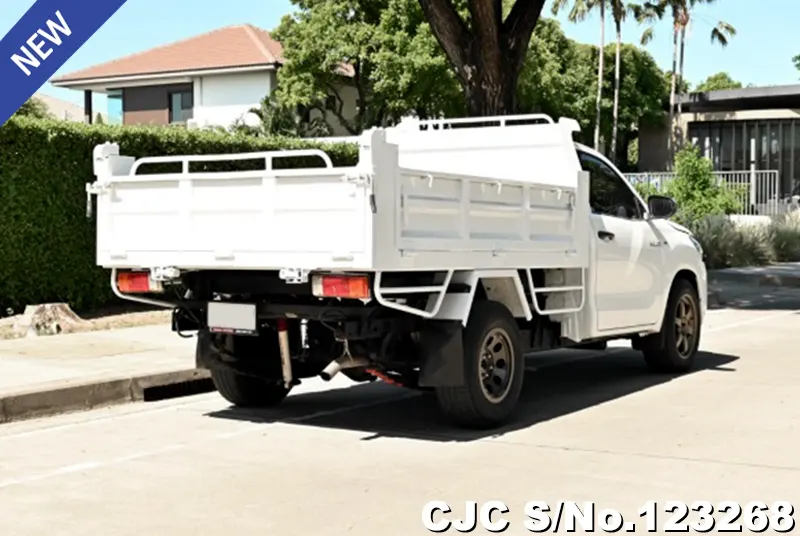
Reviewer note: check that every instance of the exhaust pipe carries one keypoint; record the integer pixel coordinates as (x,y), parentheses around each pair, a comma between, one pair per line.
(344,362)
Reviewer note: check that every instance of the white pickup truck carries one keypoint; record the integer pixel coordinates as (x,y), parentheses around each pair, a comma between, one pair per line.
(452,249)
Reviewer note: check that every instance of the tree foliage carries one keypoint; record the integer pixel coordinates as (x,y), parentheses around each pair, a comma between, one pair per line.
(580,9)
(278,119)
(412,76)
(717,82)
(35,108)
(380,49)
(559,77)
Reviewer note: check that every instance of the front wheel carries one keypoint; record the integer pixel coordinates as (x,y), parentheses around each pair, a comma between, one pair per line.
(494,368)
(674,348)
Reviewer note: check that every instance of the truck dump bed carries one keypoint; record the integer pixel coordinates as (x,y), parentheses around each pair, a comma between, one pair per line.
(423,196)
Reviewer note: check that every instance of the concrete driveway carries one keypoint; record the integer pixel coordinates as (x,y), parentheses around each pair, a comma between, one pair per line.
(364,459)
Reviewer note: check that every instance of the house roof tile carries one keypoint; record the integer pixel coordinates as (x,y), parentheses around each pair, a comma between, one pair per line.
(230,47)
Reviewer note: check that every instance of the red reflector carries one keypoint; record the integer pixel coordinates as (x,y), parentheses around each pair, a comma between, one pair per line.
(341,286)
(132,282)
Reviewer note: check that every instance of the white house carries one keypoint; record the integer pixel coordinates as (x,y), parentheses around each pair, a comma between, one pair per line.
(213,78)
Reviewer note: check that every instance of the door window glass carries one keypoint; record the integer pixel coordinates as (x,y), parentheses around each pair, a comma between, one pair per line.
(609,195)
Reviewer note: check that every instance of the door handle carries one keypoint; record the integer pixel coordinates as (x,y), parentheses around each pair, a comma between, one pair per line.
(606,236)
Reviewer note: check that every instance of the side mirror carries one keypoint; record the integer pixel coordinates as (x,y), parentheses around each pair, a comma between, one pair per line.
(661,207)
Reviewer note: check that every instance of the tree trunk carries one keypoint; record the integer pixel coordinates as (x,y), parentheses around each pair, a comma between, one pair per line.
(679,129)
(492,93)
(671,124)
(600,71)
(617,75)
(486,55)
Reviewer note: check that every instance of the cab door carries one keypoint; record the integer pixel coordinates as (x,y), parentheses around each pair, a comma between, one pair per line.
(628,255)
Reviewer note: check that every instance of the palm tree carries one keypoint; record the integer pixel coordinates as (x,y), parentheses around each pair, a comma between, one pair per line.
(681,11)
(619,12)
(721,34)
(580,10)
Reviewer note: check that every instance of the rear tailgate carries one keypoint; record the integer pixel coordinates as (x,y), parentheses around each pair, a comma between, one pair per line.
(301,218)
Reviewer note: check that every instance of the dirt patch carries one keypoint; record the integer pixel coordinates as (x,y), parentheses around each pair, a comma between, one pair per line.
(110,318)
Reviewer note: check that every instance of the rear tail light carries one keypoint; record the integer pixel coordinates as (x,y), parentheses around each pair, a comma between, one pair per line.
(137,282)
(354,287)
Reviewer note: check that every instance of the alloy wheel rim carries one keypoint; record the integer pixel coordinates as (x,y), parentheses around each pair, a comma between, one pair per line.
(496,365)
(686,326)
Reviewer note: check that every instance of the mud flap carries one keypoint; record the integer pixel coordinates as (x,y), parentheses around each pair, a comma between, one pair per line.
(202,349)
(442,355)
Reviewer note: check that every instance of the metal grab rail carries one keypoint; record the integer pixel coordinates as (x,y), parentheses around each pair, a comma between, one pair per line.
(548,290)
(267,156)
(441,289)
(502,120)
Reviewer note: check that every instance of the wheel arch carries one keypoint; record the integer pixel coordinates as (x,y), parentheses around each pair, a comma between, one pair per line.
(684,273)
(502,286)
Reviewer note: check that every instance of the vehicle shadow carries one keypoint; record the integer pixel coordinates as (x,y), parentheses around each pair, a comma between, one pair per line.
(550,392)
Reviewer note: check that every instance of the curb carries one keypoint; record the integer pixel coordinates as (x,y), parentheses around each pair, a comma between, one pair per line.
(68,396)
(715,298)
(756,280)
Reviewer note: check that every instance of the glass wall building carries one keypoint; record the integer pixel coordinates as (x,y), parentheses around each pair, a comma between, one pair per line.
(769,144)
(739,130)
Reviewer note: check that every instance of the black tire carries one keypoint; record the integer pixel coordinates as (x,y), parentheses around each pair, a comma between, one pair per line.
(247,391)
(471,405)
(598,346)
(670,351)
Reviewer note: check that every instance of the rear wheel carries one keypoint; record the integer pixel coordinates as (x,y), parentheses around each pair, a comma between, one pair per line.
(494,367)
(247,391)
(674,348)
(238,389)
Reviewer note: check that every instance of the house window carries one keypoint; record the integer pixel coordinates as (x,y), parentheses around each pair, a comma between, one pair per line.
(180,106)
(115,106)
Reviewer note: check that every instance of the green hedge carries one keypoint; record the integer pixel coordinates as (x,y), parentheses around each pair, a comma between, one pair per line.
(47,246)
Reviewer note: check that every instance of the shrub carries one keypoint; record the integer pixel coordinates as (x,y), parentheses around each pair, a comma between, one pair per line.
(696,190)
(784,237)
(646,189)
(47,246)
(727,245)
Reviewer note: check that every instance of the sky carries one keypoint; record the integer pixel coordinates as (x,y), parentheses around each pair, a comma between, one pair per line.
(760,54)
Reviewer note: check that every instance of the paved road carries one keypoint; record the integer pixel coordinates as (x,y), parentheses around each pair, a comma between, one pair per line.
(344,459)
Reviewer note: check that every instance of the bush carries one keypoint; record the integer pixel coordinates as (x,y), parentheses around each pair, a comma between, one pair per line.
(47,246)
(646,189)
(784,236)
(728,245)
(696,190)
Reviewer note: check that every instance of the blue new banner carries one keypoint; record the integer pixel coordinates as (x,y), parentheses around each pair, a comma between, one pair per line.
(49,33)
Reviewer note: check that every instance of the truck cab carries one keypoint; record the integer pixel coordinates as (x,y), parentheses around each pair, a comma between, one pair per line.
(637,251)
